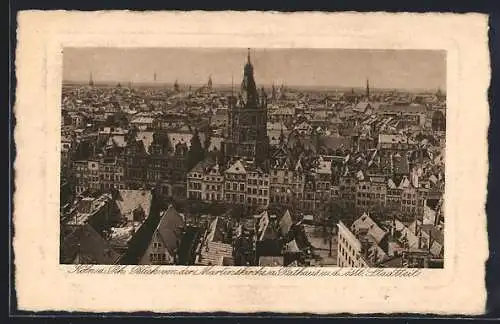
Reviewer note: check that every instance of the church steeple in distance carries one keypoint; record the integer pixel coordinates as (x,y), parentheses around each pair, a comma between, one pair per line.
(367,89)
(91,80)
(209,83)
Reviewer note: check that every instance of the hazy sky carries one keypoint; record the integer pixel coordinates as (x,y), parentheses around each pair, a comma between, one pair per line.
(410,69)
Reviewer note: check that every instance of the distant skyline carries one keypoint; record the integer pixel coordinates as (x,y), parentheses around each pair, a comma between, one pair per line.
(399,69)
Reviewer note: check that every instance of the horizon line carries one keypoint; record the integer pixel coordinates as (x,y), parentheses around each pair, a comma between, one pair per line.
(215,85)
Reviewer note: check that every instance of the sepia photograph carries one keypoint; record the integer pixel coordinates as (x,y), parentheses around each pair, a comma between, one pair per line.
(289,157)
(247,162)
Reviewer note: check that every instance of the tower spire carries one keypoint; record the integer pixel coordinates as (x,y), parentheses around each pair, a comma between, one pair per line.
(248,56)
(367,89)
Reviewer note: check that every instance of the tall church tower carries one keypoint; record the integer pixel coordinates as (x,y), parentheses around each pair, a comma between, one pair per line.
(247,131)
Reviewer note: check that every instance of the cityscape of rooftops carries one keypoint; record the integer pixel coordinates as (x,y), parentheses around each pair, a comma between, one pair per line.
(253,157)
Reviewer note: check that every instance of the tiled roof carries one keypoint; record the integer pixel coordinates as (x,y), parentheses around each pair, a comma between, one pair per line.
(237,168)
(85,245)
(142,120)
(203,166)
(334,142)
(361,106)
(215,233)
(129,200)
(392,138)
(402,109)
(285,223)
(216,253)
(366,222)
(291,247)
(170,228)
(433,232)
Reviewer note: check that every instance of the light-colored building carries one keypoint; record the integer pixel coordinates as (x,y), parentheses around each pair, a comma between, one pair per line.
(282,114)
(410,115)
(323,178)
(286,182)
(111,173)
(86,173)
(143,123)
(257,188)
(235,183)
(206,182)
(195,182)
(371,192)
(347,187)
(213,183)
(349,249)
(94,175)
(66,150)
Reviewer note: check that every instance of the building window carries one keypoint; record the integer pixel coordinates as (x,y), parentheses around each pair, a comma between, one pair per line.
(157,257)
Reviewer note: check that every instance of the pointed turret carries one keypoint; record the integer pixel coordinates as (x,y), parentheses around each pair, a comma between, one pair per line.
(248,87)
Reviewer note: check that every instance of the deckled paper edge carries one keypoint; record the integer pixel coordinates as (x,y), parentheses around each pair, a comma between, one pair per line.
(37,272)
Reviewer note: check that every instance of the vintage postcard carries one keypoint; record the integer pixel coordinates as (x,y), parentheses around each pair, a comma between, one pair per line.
(250,162)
